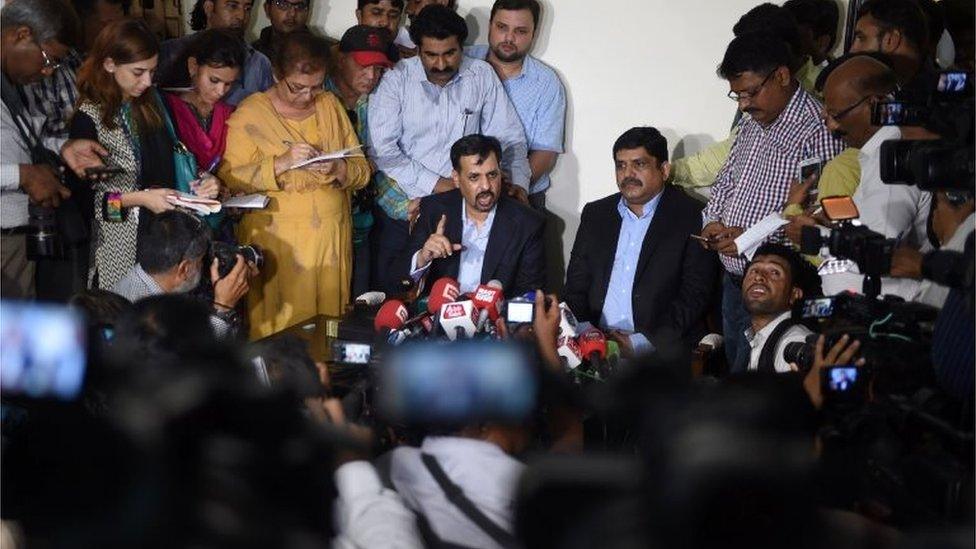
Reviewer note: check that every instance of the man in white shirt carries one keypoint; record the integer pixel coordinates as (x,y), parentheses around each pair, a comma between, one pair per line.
(478,461)
(775,279)
(953,221)
(851,89)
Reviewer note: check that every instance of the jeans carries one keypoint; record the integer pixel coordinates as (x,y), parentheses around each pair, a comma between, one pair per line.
(735,321)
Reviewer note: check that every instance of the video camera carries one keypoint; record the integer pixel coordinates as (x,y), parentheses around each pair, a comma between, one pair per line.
(847,239)
(946,108)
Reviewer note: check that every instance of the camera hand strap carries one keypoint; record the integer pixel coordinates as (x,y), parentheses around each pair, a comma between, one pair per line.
(456,496)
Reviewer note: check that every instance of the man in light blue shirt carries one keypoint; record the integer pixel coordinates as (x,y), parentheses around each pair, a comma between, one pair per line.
(633,270)
(419,110)
(233,15)
(475,234)
(534,88)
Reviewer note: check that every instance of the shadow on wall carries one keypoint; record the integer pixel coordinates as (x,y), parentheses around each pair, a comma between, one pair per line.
(563,214)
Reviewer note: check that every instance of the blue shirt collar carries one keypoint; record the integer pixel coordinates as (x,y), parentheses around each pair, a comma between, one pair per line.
(649,208)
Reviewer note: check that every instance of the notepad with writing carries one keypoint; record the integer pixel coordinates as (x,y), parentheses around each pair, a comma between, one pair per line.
(335,155)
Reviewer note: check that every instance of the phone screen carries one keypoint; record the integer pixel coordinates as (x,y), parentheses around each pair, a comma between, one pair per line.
(821,307)
(42,350)
(520,311)
(351,353)
(841,379)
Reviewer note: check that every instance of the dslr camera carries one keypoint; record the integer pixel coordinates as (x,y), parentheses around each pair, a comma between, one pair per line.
(226,255)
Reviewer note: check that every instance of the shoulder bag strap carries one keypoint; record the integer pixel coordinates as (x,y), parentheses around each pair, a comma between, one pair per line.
(456,496)
(767,358)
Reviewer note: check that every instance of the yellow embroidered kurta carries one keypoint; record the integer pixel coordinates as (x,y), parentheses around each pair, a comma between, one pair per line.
(306,230)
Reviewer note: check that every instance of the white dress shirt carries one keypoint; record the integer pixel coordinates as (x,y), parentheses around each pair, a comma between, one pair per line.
(367,515)
(487,476)
(936,294)
(757,340)
(896,211)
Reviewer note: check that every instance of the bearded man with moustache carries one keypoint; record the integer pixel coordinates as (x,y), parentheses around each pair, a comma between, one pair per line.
(476,233)
(775,279)
(634,270)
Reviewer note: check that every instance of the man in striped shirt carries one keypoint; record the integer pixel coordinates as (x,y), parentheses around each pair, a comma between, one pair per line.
(781,128)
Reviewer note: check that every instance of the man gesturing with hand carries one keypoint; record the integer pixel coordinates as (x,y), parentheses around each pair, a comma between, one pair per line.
(475,233)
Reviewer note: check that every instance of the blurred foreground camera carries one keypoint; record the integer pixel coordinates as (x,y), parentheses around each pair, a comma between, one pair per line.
(226,255)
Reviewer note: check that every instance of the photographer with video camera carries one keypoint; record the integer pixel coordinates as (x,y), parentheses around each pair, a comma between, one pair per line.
(853,86)
(170,254)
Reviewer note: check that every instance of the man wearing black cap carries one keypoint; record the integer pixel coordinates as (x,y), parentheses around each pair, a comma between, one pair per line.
(364,54)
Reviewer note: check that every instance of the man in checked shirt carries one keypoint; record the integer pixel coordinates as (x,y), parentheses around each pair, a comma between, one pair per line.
(781,128)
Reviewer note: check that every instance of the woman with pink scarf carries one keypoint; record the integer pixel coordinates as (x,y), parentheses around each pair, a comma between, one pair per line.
(214,60)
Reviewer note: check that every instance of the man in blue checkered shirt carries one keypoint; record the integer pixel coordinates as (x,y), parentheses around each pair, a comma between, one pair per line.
(781,127)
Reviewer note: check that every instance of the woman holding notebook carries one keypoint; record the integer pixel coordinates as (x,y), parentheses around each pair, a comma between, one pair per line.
(120,109)
(306,229)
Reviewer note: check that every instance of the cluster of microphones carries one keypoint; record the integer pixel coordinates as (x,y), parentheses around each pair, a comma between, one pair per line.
(485,314)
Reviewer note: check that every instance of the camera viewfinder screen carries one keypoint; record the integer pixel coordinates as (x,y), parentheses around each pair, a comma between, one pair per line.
(842,378)
(42,350)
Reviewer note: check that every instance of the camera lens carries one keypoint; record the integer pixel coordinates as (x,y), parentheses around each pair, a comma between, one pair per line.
(799,353)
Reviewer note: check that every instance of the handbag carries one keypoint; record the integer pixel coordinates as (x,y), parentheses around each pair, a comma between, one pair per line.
(184,163)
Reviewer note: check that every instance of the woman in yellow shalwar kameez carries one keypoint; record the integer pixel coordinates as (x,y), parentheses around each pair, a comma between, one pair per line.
(306,230)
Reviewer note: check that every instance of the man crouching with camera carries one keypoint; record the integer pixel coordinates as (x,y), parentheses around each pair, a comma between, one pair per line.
(170,259)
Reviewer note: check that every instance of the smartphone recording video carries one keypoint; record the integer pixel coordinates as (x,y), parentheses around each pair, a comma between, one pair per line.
(42,350)
(433,383)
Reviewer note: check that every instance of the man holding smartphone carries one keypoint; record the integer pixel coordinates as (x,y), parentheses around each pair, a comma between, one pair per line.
(781,127)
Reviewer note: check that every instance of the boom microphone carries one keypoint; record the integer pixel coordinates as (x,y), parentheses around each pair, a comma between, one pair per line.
(460,319)
(569,352)
(391,316)
(489,299)
(593,345)
(444,290)
(568,325)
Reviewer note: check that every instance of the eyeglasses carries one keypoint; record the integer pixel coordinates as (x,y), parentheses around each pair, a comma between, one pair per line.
(286,5)
(48,62)
(751,93)
(845,112)
(298,89)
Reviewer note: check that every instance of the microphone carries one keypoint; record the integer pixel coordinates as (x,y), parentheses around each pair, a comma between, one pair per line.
(568,325)
(444,290)
(460,319)
(569,352)
(371,298)
(391,316)
(489,299)
(593,346)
